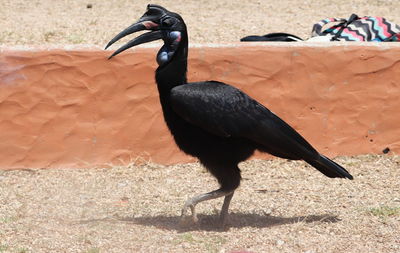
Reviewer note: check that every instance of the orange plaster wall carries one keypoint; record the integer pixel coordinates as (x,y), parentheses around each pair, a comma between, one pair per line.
(71,107)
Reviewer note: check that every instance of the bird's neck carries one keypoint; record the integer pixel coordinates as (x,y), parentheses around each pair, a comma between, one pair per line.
(173,73)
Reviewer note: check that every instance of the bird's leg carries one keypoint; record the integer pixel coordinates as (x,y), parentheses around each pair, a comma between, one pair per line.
(191,203)
(225,207)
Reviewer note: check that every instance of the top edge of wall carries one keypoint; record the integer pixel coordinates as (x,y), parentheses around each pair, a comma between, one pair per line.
(84,47)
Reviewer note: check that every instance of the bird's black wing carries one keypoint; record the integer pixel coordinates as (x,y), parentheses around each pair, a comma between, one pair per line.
(228,112)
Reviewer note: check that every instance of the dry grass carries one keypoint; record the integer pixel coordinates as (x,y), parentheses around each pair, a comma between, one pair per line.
(281,206)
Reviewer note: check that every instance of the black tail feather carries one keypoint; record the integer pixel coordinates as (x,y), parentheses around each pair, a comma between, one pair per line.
(329,168)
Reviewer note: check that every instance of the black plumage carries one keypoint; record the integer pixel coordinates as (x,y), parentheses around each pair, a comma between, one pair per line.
(213,121)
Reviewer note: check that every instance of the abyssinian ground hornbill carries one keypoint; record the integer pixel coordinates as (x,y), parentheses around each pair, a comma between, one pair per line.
(213,121)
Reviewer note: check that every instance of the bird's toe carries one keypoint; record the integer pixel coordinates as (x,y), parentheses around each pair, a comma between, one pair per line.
(185,219)
(188,220)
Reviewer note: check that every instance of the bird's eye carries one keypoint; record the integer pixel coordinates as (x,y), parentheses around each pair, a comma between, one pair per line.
(150,12)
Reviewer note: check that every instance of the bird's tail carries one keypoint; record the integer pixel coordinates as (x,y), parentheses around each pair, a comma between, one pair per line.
(329,168)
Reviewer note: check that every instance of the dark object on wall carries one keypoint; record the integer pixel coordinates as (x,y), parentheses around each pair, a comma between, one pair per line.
(368,28)
(273,37)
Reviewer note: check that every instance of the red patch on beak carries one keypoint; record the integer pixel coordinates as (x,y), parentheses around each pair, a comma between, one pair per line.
(149,24)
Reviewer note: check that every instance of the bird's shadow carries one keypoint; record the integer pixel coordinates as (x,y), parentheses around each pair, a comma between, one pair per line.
(211,222)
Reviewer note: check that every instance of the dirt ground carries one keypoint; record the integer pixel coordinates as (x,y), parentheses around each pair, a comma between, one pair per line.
(281,206)
(38,22)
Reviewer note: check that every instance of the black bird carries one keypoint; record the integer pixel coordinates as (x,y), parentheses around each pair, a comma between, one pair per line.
(213,121)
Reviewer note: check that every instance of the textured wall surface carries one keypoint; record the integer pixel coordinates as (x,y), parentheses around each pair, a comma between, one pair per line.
(71,107)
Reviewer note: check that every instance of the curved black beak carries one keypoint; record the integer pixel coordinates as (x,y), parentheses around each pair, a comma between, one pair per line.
(139,26)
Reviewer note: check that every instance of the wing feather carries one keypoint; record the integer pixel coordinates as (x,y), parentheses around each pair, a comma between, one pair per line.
(228,112)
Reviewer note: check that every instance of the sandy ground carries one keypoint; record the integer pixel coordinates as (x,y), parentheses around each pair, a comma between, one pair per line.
(71,22)
(281,206)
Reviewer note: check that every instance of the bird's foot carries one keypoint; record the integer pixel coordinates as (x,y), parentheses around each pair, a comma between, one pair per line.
(222,220)
(224,211)
(188,221)
(191,203)
(185,220)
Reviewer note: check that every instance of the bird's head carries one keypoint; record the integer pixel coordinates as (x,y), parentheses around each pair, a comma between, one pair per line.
(161,24)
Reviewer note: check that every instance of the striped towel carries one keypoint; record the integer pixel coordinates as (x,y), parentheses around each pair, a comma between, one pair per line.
(358,29)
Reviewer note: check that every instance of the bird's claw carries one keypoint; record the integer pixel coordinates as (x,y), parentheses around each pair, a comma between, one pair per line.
(192,219)
(188,220)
